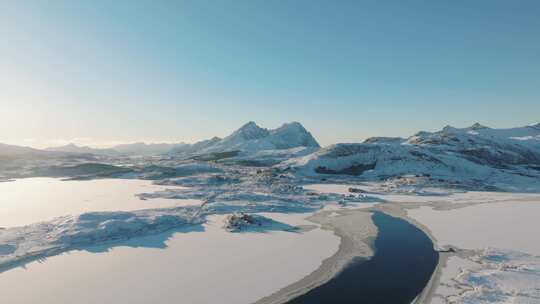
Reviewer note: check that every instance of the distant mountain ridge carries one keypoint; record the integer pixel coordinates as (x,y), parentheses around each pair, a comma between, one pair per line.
(473,155)
(73,148)
(249,138)
(12,150)
(139,148)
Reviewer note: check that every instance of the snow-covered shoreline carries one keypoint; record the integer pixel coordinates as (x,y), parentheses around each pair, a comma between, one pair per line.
(356,231)
(496,262)
(484,274)
(238,267)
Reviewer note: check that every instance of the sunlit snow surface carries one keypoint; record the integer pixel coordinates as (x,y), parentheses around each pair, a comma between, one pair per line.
(201,265)
(507,224)
(182,243)
(30,200)
(80,226)
(493,275)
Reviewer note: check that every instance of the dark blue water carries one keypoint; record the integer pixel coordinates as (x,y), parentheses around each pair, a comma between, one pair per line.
(401,267)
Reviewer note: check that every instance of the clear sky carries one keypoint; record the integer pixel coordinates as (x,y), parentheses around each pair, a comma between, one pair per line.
(102,72)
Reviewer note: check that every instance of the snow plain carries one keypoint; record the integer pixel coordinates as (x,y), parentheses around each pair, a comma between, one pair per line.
(195,263)
(30,200)
(502,236)
(195,266)
(491,276)
(510,224)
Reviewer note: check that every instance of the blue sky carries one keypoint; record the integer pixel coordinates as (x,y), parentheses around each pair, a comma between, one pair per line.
(104,72)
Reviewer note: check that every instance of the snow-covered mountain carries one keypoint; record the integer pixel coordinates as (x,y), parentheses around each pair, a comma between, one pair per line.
(17,159)
(251,138)
(460,154)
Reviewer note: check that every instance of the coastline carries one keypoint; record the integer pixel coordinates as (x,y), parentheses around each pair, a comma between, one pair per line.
(400,210)
(182,264)
(355,243)
(471,250)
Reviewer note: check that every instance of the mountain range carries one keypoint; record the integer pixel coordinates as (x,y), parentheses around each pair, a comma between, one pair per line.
(247,139)
(467,155)
(139,148)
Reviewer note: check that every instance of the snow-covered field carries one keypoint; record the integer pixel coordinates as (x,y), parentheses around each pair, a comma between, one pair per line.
(490,276)
(30,200)
(509,225)
(502,264)
(208,265)
(167,243)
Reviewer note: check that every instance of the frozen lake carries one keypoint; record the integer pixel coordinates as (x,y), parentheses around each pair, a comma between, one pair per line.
(30,200)
(508,225)
(193,265)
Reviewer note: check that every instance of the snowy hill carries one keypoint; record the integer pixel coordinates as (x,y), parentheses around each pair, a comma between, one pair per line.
(498,148)
(477,133)
(474,154)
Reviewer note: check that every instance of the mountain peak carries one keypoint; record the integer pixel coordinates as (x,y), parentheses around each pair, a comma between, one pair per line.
(447,129)
(293,125)
(294,132)
(66,146)
(250,124)
(477,126)
(250,130)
